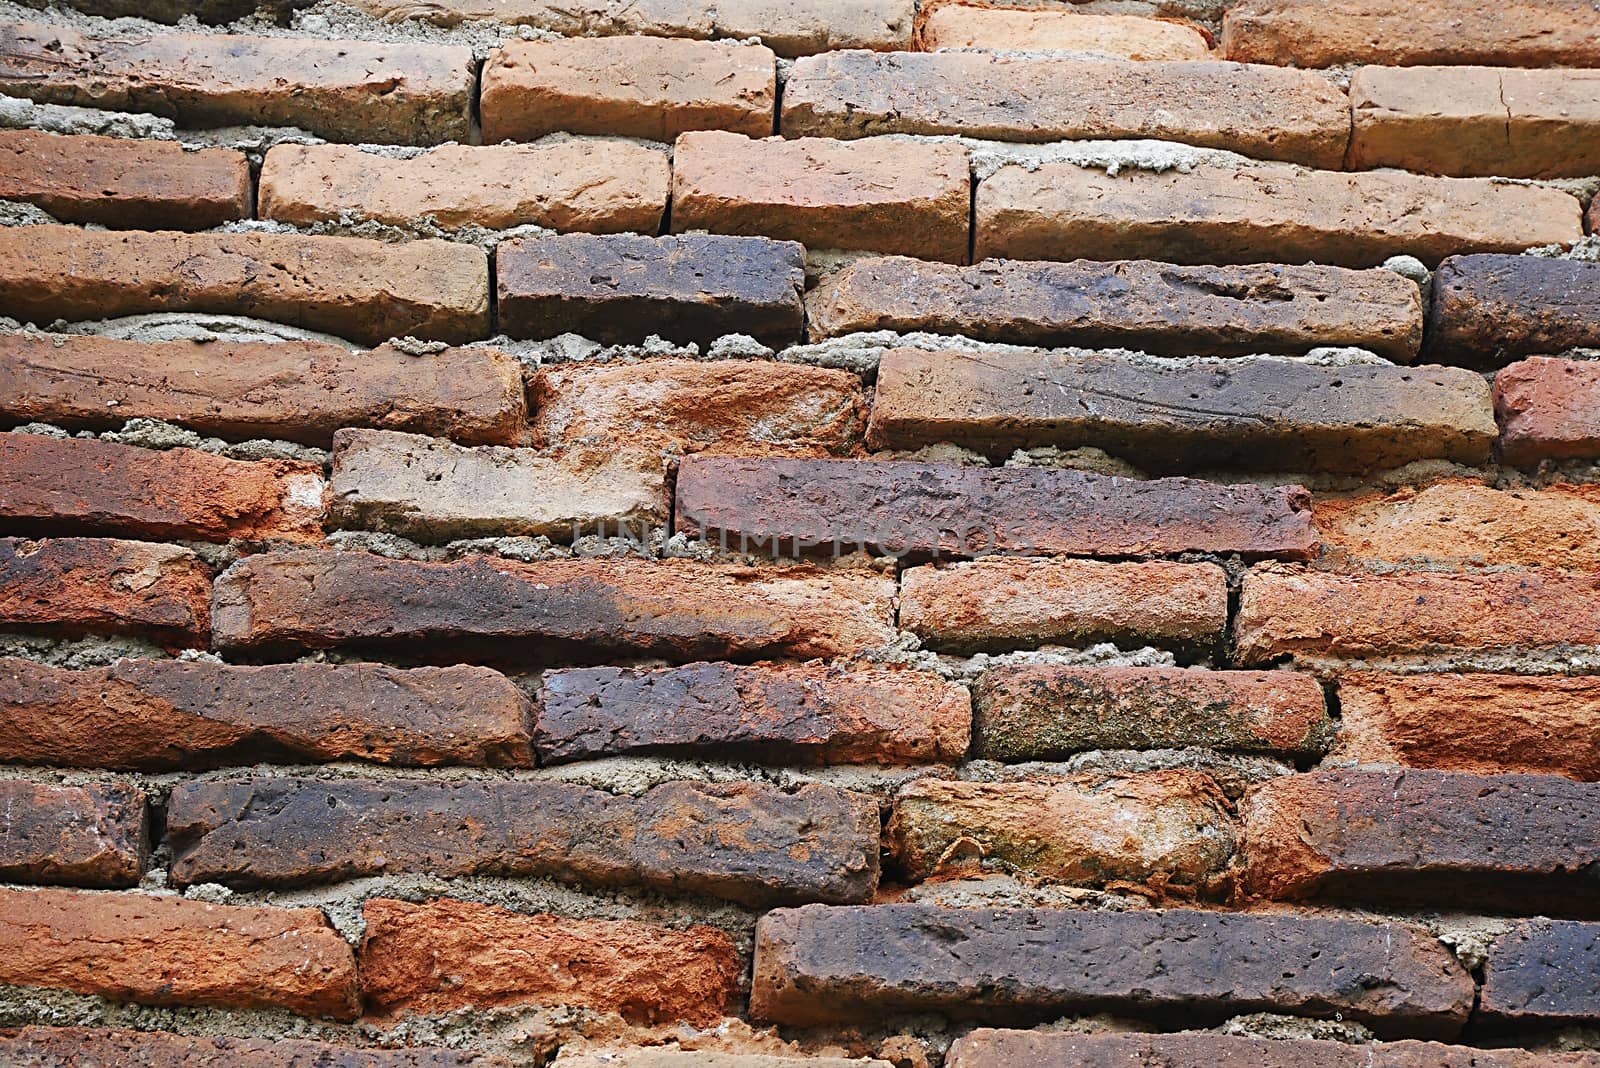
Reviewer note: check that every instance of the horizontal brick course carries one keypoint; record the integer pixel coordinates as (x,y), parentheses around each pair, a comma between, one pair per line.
(1542,973)
(75,586)
(1549,409)
(94,835)
(82,1047)
(1122,36)
(1488,309)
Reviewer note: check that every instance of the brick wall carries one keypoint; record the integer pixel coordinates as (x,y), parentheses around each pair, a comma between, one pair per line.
(766,534)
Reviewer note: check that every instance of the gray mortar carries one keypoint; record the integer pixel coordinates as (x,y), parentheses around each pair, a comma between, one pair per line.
(1562,660)
(1410,267)
(1284,1028)
(1086,458)
(17,113)
(1586,250)
(182,326)
(1233,772)
(161,436)
(353,224)
(1113,157)
(21,213)
(942,452)
(90,652)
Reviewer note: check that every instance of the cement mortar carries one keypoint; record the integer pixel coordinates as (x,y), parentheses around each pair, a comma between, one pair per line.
(21,213)
(180,326)
(353,224)
(17,113)
(161,436)
(76,653)
(1585,250)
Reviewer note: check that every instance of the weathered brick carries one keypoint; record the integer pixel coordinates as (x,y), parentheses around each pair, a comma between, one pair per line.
(747,842)
(1137,304)
(95,835)
(1002,603)
(1475,722)
(1156,827)
(1218,214)
(367,291)
(1265,112)
(447,955)
(618,288)
(1544,972)
(430,490)
(1330,33)
(383,93)
(1549,409)
(671,608)
(1488,309)
(782,713)
(596,186)
(291,390)
(117,182)
(82,486)
(673,1057)
(161,715)
(900,197)
(1015,29)
(1050,711)
(822,965)
(82,1047)
(1462,522)
(650,87)
(923,510)
(1286,613)
(1418,836)
(1173,417)
(145,948)
(742,407)
(104,586)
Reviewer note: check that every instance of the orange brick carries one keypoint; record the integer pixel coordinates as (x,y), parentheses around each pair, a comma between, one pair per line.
(1549,409)
(1018,29)
(91,835)
(103,586)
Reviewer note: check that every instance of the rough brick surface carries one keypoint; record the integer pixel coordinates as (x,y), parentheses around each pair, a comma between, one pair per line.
(74,486)
(367,291)
(824,965)
(1518,841)
(1172,417)
(81,1047)
(647,87)
(923,510)
(121,183)
(596,186)
(447,955)
(104,586)
(383,93)
(1049,711)
(161,715)
(1474,722)
(1013,29)
(1544,973)
(669,1057)
(430,490)
(747,842)
(777,713)
(671,608)
(742,407)
(1217,214)
(1004,603)
(169,951)
(72,835)
(623,288)
(1264,112)
(1137,304)
(290,390)
(1549,409)
(1488,309)
(899,197)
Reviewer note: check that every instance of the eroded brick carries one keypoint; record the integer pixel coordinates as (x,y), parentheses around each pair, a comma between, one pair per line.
(1549,409)
(1544,973)
(1015,29)
(94,835)
(82,1047)
(670,1057)
(78,586)
(1486,310)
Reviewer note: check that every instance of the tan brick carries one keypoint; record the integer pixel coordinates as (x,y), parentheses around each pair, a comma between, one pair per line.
(431,490)
(448,955)
(1549,409)
(116,182)
(1216,214)
(367,291)
(170,951)
(292,390)
(384,93)
(1015,29)
(81,486)
(92,835)
(1003,603)
(102,586)
(1263,112)
(594,186)
(82,1047)
(890,196)
(650,87)
(737,407)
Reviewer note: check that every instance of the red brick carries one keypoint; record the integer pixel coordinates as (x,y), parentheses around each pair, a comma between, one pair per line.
(1549,409)
(650,87)
(77,586)
(1015,29)
(448,955)
(116,182)
(367,291)
(874,195)
(164,950)
(161,715)
(95,835)
(1487,309)
(1542,973)
(82,1047)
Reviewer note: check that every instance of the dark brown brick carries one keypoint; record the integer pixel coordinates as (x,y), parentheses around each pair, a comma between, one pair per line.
(618,288)
(923,510)
(1549,409)
(96,835)
(820,965)
(162,715)
(746,842)
(1489,309)
(1544,973)
(1526,842)
(779,713)
(1258,414)
(82,1047)
(78,586)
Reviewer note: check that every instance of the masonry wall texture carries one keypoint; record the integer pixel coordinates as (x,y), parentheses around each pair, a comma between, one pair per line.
(800,533)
